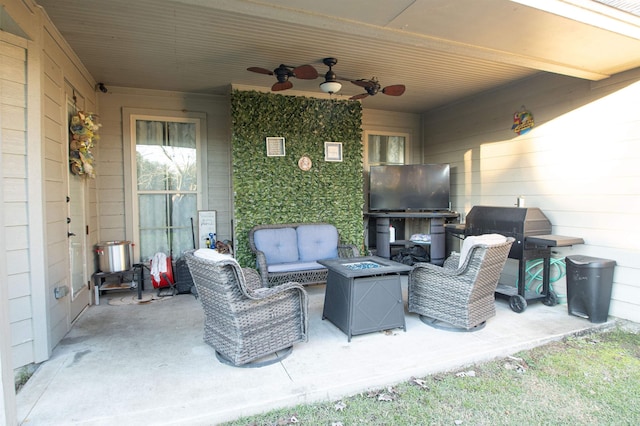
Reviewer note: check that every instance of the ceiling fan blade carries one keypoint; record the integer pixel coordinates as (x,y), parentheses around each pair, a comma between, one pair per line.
(282,86)
(260,70)
(360,96)
(363,83)
(395,90)
(305,72)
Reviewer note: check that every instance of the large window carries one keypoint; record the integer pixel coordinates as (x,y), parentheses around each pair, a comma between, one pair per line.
(385,149)
(165,180)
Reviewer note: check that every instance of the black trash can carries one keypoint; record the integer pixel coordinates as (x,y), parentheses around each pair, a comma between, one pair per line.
(589,283)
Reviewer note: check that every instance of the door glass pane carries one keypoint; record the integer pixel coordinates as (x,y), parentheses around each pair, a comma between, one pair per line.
(76,234)
(167,186)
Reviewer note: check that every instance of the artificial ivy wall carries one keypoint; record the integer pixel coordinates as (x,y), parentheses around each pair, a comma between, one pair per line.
(271,190)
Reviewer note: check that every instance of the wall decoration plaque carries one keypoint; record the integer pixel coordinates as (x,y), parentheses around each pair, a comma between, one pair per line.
(333,151)
(275,147)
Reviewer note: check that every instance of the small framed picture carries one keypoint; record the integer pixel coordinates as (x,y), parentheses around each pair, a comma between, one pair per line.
(333,151)
(275,147)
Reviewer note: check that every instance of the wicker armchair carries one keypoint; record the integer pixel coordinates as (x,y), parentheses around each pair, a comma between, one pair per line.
(247,324)
(459,297)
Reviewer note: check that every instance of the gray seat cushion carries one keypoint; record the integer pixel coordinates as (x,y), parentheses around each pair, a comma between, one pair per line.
(316,242)
(279,245)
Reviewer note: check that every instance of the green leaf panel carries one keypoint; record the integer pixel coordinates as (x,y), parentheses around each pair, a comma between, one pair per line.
(270,190)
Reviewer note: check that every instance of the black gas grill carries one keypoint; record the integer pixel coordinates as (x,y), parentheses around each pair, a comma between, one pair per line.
(533,240)
(519,223)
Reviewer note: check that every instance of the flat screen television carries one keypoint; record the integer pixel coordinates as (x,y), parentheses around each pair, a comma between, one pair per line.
(420,187)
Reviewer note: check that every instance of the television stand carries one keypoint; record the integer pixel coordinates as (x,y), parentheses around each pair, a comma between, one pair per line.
(436,230)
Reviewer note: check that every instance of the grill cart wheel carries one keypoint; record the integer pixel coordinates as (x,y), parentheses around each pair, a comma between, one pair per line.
(517,303)
(551,299)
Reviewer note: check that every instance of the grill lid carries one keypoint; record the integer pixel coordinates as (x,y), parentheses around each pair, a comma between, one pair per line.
(516,222)
(508,221)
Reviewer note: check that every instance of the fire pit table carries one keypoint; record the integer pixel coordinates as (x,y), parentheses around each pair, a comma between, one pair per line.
(363,294)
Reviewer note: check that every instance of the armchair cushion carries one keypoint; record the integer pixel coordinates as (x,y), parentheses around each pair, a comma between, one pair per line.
(472,240)
(211,255)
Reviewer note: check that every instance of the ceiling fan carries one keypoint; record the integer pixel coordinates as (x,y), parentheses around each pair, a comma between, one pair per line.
(330,84)
(284,72)
(373,87)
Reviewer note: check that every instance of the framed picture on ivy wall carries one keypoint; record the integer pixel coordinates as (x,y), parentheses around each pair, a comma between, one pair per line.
(275,147)
(333,151)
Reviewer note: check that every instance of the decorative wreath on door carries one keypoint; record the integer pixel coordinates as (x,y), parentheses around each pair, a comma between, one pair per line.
(84,134)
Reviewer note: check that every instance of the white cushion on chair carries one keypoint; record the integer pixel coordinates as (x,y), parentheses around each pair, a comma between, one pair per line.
(487,239)
(211,254)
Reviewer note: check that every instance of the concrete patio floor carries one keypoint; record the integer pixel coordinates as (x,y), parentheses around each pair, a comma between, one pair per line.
(125,363)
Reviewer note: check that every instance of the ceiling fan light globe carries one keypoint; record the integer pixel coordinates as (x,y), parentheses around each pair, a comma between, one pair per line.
(330,87)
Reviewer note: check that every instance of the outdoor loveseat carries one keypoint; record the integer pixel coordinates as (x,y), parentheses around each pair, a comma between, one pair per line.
(289,252)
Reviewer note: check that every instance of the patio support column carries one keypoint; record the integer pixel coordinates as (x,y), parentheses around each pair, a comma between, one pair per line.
(8,414)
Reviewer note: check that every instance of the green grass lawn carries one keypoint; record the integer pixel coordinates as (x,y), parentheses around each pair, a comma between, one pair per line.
(592,379)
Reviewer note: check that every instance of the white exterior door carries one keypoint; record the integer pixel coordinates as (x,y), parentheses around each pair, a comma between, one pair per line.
(77,246)
(77,233)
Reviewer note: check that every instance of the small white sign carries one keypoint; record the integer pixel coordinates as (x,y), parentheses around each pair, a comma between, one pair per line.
(333,151)
(206,228)
(275,147)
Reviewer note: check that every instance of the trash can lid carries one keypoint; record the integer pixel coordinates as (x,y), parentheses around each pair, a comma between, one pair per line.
(590,262)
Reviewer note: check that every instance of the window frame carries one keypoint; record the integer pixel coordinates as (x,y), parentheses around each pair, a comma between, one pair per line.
(129,118)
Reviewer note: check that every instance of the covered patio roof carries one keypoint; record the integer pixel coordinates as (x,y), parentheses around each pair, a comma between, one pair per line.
(441,50)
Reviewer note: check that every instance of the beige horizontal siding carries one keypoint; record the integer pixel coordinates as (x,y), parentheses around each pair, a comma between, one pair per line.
(14,178)
(578,164)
